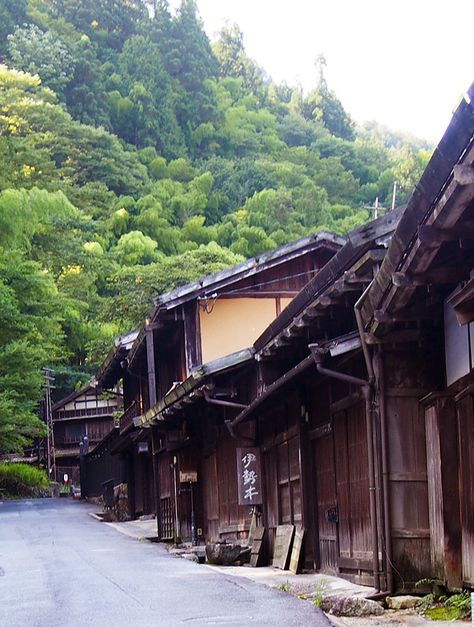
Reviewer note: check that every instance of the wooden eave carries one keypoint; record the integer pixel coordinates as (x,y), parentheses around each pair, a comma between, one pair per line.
(125,441)
(248,268)
(110,372)
(432,219)
(193,388)
(364,248)
(326,305)
(70,397)
(165,305)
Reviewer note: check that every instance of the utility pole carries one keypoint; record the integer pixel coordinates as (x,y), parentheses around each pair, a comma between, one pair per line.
(50,452)
(394,194)
(376,208)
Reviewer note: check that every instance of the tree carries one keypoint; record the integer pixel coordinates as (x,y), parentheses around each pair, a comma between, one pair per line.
(235,63)
(323,104)
(45,145)
(43,53)
(30,337)
(148,88)
(192,67)
(12,14)
(135,247)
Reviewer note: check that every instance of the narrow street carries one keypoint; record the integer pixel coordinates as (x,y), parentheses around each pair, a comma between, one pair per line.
(60,567)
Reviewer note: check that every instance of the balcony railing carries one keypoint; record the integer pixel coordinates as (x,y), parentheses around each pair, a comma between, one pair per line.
(91,411)
(126,419)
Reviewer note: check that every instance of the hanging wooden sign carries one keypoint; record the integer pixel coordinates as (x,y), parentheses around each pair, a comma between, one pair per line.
(188,476)
(249,476)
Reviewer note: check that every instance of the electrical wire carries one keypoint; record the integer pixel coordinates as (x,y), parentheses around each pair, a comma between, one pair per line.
(251,287)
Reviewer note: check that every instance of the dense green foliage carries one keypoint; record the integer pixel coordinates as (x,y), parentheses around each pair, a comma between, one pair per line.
(21,480)
(135,157)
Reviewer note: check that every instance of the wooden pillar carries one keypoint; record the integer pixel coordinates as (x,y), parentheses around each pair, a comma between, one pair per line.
(155,447)
(443,488)
(150,359)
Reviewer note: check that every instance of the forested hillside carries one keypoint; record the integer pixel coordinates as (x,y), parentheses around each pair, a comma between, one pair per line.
(136,155)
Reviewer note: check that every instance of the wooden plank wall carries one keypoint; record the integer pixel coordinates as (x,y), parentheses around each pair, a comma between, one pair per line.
(280,439)
(210,497)
(443,488)
(352,481)
(234,519)
(408,379)
(465,412)
(166,507)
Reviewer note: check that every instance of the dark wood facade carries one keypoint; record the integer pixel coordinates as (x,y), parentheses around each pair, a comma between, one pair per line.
(166,352)
(85,415)
(358,395)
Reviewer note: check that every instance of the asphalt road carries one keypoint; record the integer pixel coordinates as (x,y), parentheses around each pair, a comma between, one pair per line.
(60,567)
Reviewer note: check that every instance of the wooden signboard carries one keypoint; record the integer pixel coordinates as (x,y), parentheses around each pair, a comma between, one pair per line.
(188,476)
(249,476)
(256,553)
(296,550)
(281,552)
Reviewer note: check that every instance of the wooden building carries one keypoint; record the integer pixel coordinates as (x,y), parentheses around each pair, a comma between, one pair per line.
(82,415)
(420,310)
(311,431)
(343,372)
(201,322)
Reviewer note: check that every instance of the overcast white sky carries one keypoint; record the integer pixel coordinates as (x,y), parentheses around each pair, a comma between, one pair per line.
(405,64)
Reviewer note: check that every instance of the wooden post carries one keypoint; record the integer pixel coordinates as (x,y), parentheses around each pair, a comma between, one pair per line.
(150,358)
(443,492)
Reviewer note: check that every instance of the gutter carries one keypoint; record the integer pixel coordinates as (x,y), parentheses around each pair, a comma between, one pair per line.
(288,376)
(367,388)
(387,524)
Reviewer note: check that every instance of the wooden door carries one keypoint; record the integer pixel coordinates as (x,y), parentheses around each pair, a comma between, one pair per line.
(326,503)
(342,490)
(465,411)
(166,508)
(289,486)
(352,486)
(211,496)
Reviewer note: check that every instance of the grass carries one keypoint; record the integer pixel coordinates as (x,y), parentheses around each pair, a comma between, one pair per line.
(284,587)
(319,592)
(21,480)
(441,605)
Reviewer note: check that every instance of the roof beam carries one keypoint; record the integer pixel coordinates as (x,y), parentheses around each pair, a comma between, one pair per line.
(434,236)
(411,315)
(464,174)
(436,276)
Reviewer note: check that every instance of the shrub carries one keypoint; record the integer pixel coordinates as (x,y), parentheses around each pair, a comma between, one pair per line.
(21,480)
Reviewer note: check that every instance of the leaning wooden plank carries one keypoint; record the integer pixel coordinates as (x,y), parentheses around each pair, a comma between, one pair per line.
(256,554)
(281,552)
(296,550)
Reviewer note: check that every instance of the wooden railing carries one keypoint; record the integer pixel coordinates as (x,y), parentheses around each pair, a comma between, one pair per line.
(91,411)
(126,419)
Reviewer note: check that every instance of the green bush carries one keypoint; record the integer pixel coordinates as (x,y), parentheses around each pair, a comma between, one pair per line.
(21,480)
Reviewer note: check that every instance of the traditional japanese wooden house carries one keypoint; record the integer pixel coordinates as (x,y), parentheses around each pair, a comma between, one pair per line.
(353,408)
(314,416)
(84,415)
(364,417)
(202,322)
(418,315)
(130,446)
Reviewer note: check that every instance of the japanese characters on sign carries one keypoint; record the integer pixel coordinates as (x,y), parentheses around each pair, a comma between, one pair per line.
(249,476)
(189,476)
